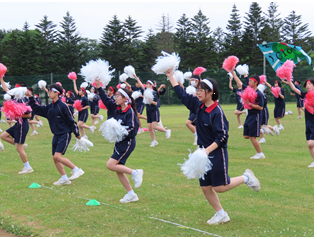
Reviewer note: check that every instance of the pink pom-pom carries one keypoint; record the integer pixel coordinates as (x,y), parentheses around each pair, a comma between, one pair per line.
(72,75)
(199,70)
(77,105)
(64,99)
(101,105)
(3,70)
(119,86)
(145,129)
(248,95)
(276,91)
(285,71)
(58,83)
(262,79)
(14,110)
(230,63)
(309,101)
(95,85)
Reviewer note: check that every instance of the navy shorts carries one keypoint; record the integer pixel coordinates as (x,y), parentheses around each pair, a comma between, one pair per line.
(240,107)
(252,125)
(140,108)
(94,110)
(218,175)
(60,143)
(265,116)
(32,115)
(83,115)
(309,132)
(300,103)
(279,112)
(122,150)
(19,131)
(153,116)
(192,118)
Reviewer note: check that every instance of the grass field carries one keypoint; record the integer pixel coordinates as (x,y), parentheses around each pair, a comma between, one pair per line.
(169,205)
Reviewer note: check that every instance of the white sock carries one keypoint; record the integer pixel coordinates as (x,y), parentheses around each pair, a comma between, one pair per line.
(76,168)
(131,192)
(27,165)
(65,177)
(260,153)
(133,172)
(222,212)
(34,131)
(262,130)
(246,178)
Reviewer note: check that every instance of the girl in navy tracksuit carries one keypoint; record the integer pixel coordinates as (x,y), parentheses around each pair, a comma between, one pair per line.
(309,117)
(16,134)
(299,101)
(94,107)
(212,129)
(62,124)
(123,109)
(240,108)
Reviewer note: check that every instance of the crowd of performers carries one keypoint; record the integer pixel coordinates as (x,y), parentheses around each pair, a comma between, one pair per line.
(126,103)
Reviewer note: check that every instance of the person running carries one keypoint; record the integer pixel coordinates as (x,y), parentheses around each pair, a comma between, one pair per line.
(123,108)
(299,101)
(240,109)
(212,129)
(62,124)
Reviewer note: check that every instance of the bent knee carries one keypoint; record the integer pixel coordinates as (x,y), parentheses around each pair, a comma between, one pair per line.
(246,136)
(310,143)
(219,189)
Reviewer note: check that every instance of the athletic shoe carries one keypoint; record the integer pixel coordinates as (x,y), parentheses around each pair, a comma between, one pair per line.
(94,127)
(40,123)
(76,174)
(37,125)
(280,127)
(91,129)
(276,130)
(25,146)
(138,178)
(26,170)
(34,133)
(62,181)
(101,117)
(253,182)
(267,130)
(2,121)
(262,141)
(154,143)
(1,146)
(1,130)
(96,122)
(299,117)
(85,137)
(219,218)
(258,156)
(311,165)
(140,131)
(240,127)
(129,198)
(289,112)
(168,133)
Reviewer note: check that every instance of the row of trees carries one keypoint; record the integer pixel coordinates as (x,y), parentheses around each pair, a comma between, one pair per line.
(46,50)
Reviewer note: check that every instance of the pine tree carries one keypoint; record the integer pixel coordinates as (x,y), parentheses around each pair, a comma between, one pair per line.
(149,51)
(219,36)
(165,36)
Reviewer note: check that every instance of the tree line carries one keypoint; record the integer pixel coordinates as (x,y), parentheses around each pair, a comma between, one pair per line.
(46,50)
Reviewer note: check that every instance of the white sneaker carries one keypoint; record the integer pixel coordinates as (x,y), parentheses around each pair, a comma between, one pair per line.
(289,112)
(262,141)
(101,117)
(138,178)
(258,156)
(140,131)
(311,165)
(62,181)
(240,127)
(34,133)
(219,218)
(37,125)
(91,129)
(168,133)
(267,130)
(40,123)
(76,174)
(2,121)
(154,143)
(26,170)
(299,117)
(1,146)
(96,122)
(129,198)
(276,130)
(94,127)
(25,146)
(1,130)
(253,182)
(280,127)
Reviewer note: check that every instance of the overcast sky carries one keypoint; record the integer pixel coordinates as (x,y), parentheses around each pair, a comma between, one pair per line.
(92,17)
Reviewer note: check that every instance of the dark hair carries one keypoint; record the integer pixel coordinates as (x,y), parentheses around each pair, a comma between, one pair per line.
(21,83)
(279,83)
(311,81)
(257,78)
(57,87)
(114,88)
(204,86)
(196,77)
(30,89)
(298,82)
(132,99)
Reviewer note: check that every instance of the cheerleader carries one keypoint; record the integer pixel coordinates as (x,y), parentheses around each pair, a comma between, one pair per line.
(309,113)
(39,102)
(110,92)
(240,109)
(62,124)
(16,134)
(70,98)
(212,129)
(299,101)
(94,107)
(123,108)
(83,114)
(160,91)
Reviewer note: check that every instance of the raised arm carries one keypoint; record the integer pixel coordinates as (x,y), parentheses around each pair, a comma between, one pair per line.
(268,84)
(4,86)
(236,78)
(139,81)
(297,91)
(75,87)
(128,85)
(230,83)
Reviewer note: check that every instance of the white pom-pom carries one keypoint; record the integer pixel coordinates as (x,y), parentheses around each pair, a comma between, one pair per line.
(187,75)
(7,84)
(129,70)
(148,94)
(113,131)
(122,86)
(136,94)
(191,90)
(261,87)
(19,92)
(84,85)
(242,69)
(41,84)
(123,77)
(197,165)
(179,77)
(91,96)
(6,97)
(82,144)
(165,62)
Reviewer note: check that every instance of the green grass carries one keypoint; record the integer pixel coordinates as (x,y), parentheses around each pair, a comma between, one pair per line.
(283,207)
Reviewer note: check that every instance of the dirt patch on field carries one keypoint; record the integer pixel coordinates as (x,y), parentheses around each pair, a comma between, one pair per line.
(3,233)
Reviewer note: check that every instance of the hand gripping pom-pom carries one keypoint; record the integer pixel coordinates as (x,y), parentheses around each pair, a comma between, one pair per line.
(7,84)
(248,95)
(199,70)
(113,131)
(242,69)
(136,94)
(14,110)
(230,75)
(41,84)
(262,79)
(123,77)
(276,91)
(197,165)
(91,96)
(309,101)
(3,70)
(129,70)
(148,94)
(95,85)
(84,85)
(165,62)
(101,105)
(179,77)
(77,105)
(122,86)
(230,63)
(285,71)
(19,92)
(82,144)
(6,97)
(187,75)
(72,75)
(191,90)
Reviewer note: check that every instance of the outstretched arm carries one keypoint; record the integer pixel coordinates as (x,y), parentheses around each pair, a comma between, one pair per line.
(75,87)
(128,85)
(4,86)
(236,78)
(268,84)
(139,81)
(230,83)
(297,91)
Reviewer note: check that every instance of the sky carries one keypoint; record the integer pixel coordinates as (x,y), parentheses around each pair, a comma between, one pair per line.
(92,17)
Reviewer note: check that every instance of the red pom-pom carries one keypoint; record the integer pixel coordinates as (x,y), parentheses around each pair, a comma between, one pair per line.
(199,70)
(14,110)
(77,105)
(95,85)
(285,71)
(230,63)
(250,95)
(72,76)
(276,91)
(3,70)
(262,79)
(119,86)
(101,105)
(58,83)
(64,99)
(309,101)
